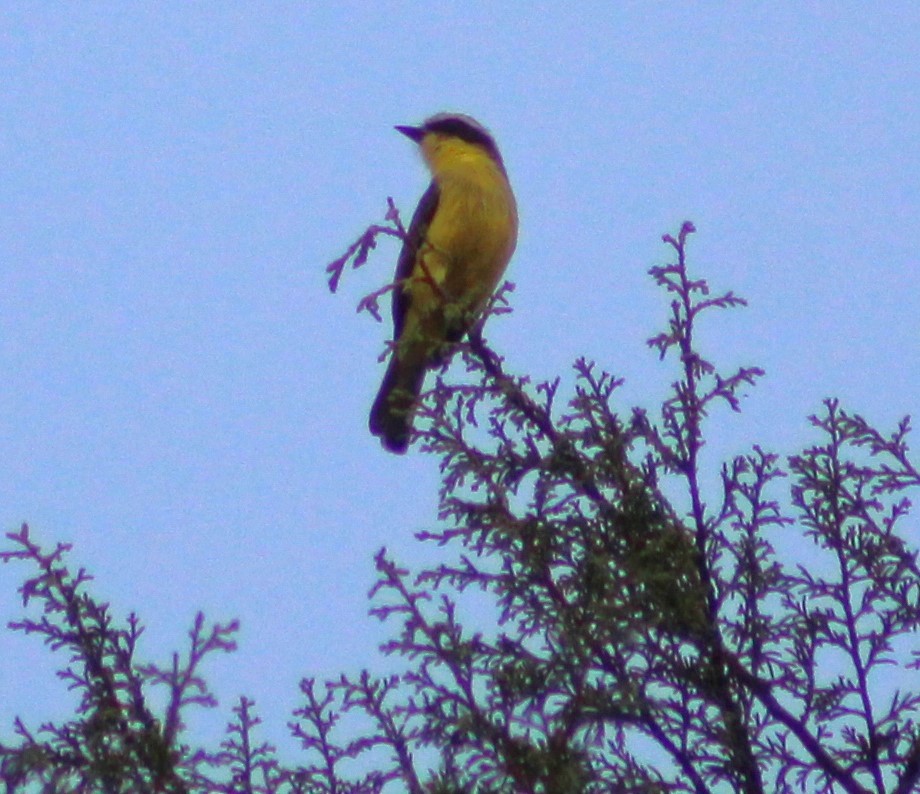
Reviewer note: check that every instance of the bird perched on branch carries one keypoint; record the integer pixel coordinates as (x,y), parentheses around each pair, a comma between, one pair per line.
(458,245)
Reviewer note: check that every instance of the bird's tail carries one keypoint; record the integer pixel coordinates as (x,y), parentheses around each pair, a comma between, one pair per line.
(391,414)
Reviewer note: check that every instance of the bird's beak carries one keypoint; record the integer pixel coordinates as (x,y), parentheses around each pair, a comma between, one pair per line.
(415,133)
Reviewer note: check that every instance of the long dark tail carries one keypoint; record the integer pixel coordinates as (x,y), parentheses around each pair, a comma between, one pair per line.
(391,414)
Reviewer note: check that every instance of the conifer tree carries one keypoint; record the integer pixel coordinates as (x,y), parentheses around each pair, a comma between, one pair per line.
(597,622)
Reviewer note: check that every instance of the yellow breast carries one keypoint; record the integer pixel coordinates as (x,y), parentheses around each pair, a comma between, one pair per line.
(474,230)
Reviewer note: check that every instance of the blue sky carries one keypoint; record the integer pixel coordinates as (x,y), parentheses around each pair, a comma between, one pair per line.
(185,402)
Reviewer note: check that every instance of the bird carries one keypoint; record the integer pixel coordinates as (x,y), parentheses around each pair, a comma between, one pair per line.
(457,247)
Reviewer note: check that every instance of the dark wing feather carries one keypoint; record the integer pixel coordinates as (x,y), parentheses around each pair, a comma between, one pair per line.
(418,228)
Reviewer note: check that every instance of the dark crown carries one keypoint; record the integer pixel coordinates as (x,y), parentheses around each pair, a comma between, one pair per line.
(466,128)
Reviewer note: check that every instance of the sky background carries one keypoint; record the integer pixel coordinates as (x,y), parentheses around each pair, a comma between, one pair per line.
(184,401)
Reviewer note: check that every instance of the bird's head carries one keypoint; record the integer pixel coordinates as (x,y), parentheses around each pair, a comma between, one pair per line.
(446,133)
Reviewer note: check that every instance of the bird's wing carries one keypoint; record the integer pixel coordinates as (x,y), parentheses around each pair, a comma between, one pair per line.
(418,228)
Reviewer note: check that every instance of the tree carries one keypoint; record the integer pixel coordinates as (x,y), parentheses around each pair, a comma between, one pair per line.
(646,636)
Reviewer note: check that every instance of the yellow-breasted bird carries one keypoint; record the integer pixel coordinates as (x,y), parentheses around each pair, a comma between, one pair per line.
(458,245)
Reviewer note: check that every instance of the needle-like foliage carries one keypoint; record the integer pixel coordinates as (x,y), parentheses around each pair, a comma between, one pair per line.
(607,615)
